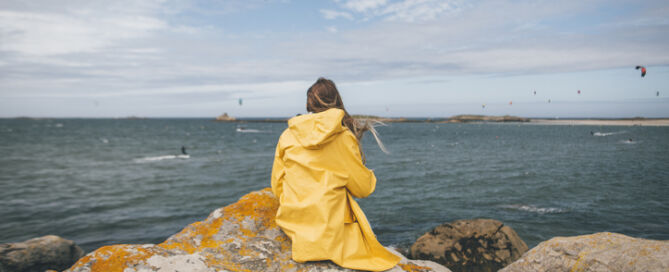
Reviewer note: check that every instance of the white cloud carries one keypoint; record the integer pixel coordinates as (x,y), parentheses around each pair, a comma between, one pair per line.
(98,51)
(364,5)
(36,33)
(248,89)
(404,10)
(332,29)
(418,10)
(333,14)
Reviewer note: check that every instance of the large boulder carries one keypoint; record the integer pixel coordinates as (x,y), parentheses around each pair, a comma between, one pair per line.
(39,254)
(602,251)
(242,236)
(470,245)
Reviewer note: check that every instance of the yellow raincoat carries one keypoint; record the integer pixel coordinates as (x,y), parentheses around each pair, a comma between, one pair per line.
(316,173)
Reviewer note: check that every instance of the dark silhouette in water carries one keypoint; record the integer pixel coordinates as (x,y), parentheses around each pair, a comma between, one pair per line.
(183,150)
(592,133)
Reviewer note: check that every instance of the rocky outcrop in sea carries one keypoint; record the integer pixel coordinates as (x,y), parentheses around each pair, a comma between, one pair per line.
(225,118)
(242,236)
(39,254)
(602,251)
(470,245)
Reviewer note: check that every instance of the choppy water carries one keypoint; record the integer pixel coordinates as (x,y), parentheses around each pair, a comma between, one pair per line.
(102,182)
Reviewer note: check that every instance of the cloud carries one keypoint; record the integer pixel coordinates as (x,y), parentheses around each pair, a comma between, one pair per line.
(364,5)
(332,29)
(165,49)
(419,10)
(405,10)
(332,14)
(73,30)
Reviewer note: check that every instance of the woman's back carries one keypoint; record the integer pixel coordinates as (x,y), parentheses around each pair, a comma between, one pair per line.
(317,169)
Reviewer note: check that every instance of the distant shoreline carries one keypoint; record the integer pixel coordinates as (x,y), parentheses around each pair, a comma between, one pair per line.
(459,119)
(655,122)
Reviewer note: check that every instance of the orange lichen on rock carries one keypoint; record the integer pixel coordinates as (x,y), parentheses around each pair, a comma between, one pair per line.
(260,207)
(414,268)
(113,258)
(242,236)
(202,230)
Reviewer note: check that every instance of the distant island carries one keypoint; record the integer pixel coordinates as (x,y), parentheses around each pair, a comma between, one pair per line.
(225,118)
(473,118)
(484,118)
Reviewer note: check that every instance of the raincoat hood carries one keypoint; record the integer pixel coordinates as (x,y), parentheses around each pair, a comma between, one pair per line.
(314,130)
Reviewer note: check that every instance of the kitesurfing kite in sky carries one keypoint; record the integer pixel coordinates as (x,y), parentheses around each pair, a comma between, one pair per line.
(643,70)
(240,101)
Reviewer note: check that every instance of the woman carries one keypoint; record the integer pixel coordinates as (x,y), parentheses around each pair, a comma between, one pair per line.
(318,169)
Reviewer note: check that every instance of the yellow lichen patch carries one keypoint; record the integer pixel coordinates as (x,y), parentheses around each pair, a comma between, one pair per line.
(288,266)
(114,258)
(414,268)
(285,246)
(253,213)
(258,206)
(197,229)
(81,262)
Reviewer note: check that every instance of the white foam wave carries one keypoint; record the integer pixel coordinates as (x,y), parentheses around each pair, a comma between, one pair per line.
(603,134)
(160,158)
(533,209)
(248,130)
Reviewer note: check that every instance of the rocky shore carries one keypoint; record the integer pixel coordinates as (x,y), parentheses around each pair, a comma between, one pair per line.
(470,118)
(244,237)
(239,237)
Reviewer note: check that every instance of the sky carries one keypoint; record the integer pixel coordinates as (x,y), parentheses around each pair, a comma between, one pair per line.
(398,58)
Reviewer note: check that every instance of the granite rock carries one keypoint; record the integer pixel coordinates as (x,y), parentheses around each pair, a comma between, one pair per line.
(470,245)
(242,236)
(39,254)
(602,251)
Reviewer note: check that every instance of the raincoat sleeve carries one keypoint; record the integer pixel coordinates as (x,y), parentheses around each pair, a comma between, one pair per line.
(362,181)
(278,171)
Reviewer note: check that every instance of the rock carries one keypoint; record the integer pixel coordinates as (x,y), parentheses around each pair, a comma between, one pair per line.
(470,245)
(602,251)
(39,254)
(242,236)
(484,118)
(225,117)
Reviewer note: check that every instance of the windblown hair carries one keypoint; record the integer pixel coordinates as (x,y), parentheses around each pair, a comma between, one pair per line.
(323,95)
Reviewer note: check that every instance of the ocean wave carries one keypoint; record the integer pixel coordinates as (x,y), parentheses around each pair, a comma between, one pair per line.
(160,158)
(533,209)
(604,134)
(248,130)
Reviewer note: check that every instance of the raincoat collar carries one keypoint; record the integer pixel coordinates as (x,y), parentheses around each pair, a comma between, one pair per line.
(313,130)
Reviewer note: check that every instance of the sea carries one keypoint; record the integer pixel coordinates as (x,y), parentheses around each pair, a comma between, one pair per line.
(109,181)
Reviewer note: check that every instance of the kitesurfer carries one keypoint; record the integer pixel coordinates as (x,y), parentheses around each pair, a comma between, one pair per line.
(183,150)
(643,70)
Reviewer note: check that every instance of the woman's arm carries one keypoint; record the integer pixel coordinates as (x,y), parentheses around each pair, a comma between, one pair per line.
(278,171)
(362,181)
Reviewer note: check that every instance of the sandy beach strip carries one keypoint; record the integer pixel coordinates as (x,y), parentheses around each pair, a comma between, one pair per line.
(602,122)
